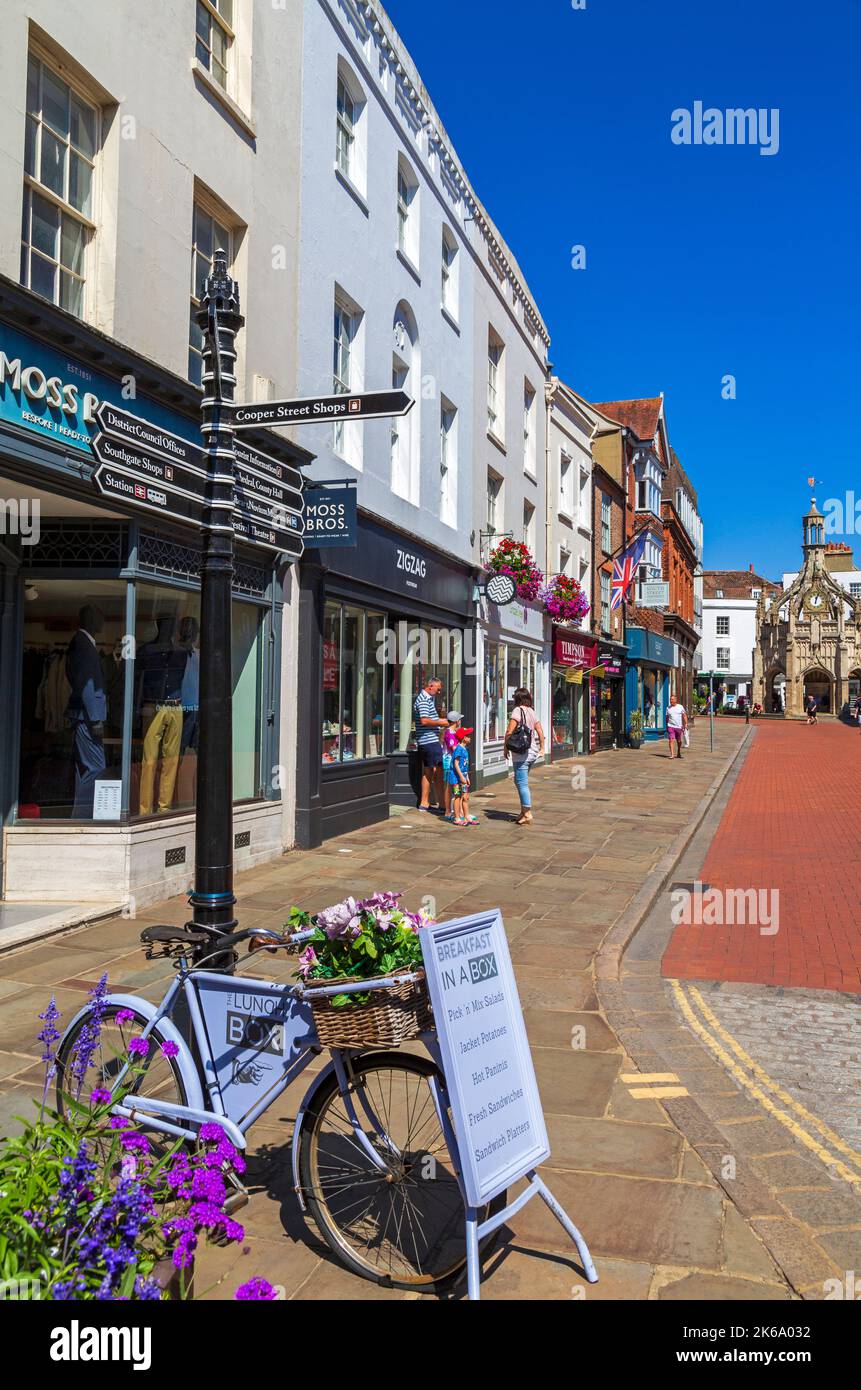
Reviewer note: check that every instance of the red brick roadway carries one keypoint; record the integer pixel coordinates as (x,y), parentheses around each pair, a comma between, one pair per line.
(793,823)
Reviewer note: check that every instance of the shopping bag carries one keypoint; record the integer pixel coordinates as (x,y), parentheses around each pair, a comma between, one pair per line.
(687,738)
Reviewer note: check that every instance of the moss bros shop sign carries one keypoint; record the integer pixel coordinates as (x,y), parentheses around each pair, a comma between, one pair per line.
(50,394)
(331,515)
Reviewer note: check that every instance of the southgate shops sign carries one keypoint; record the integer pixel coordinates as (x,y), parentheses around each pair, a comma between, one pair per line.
(488,1067)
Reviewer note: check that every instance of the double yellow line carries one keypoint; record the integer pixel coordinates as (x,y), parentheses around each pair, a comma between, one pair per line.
(799,1122)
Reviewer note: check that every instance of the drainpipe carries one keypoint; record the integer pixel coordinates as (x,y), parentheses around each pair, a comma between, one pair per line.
(549,392)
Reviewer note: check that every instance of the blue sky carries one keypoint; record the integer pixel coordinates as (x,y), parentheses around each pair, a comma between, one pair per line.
(702,261)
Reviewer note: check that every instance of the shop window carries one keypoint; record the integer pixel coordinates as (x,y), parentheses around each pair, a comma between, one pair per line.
(424,651)
(353,684)
(495,703)
(166,699)
(72,700)
(649,700)
(61,141)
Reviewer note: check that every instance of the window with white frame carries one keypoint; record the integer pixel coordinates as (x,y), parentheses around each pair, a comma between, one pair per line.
(723,659)
(566,484)
(448,462)
(214,37)
(494,502)
(718,593)
(495,386)
(408,212)
(60,147)
(564,561)
(529,526)
(606,523)
(855,590)
(529,435)
(755,593)
(210,233)
(450,276)
(351,146)
(722,629)
(583,517)
(642,496)
(605,601)
(346,375)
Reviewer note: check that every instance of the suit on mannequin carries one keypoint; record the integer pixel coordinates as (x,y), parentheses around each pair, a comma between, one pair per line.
(87,709)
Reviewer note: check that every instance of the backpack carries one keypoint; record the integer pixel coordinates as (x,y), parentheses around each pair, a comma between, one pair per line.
(520,741)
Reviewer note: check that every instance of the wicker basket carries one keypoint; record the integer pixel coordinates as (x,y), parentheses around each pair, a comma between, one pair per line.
(391,1016)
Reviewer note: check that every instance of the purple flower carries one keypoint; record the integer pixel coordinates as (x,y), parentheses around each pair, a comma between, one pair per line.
(170,1049)
(117,1122)
(206,1214)
(88,1039)
(208,1184)
(256,1290)
(135,1143)
(211,1133)
(233,1230)
(139,1047)
(147,1289)
(49,1034)
(341,920)
(183,1255)
(125,1016)
(100,1096)
(307,961)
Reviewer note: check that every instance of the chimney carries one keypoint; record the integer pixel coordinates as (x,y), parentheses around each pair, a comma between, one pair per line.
(751,569)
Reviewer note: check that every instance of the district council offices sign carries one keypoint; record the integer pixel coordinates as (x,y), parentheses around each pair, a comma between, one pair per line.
(488,1068)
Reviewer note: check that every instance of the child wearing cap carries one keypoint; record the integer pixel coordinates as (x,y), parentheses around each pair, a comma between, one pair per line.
(459,780)
(449,743)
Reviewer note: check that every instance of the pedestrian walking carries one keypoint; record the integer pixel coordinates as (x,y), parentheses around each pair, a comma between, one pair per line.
(677,724)
(524,744)
(812,709)
(459,781)
(428,725)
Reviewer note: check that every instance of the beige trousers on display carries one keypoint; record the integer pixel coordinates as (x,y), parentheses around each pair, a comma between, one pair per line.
(162,739)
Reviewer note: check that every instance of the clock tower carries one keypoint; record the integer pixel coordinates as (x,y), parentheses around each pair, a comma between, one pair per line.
(809,635)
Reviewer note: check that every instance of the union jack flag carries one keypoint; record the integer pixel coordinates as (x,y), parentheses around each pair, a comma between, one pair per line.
(625,570)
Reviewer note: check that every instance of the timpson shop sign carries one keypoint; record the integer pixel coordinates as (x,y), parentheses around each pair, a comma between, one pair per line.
(567,651)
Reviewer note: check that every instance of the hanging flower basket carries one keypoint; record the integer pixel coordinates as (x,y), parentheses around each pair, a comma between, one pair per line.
(564,600)
(371,940)
(515,559)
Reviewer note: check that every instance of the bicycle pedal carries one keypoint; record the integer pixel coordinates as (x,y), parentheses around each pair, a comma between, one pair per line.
(235,1202)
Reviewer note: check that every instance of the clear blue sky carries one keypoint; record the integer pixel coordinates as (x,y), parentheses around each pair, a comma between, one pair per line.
(702,261)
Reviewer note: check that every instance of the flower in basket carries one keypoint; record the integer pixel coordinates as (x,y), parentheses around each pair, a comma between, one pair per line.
(359,941)
(564,600)
(515,559)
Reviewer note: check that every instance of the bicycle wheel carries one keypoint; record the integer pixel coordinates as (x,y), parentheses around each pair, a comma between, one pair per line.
(159,1076)
(403,1228)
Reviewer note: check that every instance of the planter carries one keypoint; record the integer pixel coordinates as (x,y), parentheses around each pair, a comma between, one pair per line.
(389,1017)
(634,742)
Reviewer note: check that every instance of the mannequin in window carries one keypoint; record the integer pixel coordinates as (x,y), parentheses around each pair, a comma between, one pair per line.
(160,667)
(87,709)
(189,640)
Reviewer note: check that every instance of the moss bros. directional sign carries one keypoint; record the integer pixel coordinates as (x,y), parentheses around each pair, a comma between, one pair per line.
(488,1068)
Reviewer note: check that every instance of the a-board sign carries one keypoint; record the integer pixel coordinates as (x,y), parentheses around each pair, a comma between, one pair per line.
(488,1067)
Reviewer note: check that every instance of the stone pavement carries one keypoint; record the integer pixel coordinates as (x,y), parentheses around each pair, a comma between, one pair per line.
(660,1224)
(792,828)
(766,1078)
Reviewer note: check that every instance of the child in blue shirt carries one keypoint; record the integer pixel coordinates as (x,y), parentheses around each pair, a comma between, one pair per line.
(459,780)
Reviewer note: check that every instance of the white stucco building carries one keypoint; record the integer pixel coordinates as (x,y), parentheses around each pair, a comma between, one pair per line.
(729,628)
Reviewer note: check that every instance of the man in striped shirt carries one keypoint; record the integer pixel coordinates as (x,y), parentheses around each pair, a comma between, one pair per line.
(428,724)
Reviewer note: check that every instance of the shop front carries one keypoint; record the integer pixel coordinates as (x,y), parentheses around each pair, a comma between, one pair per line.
(512,654)
(375,621)
(574,657)
(651,661)
(101,642)
(608,697)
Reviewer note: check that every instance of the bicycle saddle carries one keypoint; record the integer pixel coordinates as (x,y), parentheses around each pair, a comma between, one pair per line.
(169,935)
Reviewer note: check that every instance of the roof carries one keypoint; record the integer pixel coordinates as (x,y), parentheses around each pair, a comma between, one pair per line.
(735,583)
(640,416)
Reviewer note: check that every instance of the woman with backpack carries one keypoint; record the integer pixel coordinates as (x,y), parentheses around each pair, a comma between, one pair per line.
(524,744)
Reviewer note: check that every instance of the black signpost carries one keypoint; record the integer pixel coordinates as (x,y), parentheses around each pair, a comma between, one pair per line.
(231,490)
(323,410)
